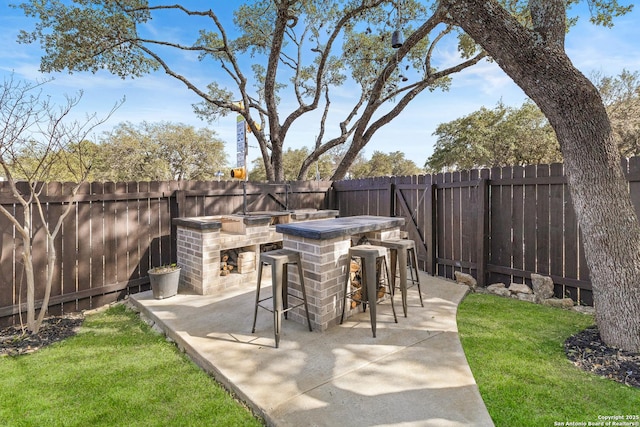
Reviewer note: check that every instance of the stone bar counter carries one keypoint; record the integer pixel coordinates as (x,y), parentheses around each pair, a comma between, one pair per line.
(202,240)
(324,248)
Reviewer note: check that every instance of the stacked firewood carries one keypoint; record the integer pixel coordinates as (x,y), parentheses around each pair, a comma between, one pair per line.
(242,261)
(355,272)
(225,265)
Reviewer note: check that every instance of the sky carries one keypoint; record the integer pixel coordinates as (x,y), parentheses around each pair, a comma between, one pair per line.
(158,97)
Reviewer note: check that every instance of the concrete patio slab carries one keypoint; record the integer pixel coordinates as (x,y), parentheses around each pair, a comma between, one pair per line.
(413,373)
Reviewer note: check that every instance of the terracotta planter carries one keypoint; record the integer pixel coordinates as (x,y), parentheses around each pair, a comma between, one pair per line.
(164,282)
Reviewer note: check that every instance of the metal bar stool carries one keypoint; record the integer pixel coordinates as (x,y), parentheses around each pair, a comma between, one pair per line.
(371,257)
(403,255)
(279,260)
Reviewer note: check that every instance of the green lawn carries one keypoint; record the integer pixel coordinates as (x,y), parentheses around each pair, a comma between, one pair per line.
(515,350)
(115,372)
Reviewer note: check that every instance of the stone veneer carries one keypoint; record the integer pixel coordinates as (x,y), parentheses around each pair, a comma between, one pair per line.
(200,241)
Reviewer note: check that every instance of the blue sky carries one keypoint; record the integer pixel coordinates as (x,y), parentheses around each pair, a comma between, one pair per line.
(158,97)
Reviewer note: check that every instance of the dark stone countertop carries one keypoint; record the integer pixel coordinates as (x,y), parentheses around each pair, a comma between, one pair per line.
(339,227)
(303,215)
(199,223)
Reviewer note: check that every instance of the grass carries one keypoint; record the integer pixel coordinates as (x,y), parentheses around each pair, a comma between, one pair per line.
(114,372)
(515,350)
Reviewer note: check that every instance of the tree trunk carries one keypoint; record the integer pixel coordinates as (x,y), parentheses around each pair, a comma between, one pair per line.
(536,61)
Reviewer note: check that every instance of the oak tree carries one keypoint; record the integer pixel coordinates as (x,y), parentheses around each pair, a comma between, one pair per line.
(532,53)
(160,151)
(301,50)
(497,137)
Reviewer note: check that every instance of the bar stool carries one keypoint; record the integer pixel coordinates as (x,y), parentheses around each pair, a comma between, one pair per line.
(279,260)
(371,257)
(403,255)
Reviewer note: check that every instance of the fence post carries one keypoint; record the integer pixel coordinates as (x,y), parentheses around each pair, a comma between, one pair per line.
(392,198)
(177,205)
(482,231)
(431,228)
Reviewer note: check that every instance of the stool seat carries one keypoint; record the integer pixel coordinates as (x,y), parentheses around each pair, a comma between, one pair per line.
(279,260)
(403,253)
(363,251)
(280,256)
(371,256)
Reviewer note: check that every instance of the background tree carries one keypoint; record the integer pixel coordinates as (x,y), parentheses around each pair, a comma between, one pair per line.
(621,97)
(386,164)
(303,50)
(30,123)
(292,159)
(520,136)
(160,152)
(500,137)
(532,54)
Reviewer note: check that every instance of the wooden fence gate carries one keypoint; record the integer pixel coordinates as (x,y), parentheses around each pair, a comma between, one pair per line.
(500,224)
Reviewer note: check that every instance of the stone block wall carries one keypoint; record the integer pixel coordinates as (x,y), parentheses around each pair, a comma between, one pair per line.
(325,268)
(326,265)
(198,254)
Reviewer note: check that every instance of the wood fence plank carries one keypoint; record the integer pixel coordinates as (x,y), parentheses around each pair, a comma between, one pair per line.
(517,220)
(66,247)
(456,223)
(482,233)
(98,238)
(529,232)
(500,226)
(144,233)
(122,231)
(133,230)
(165,226)
(468,210)
(111,248)
(557,227)
(448,225)
(572,239)
(83,258)
(542,222)
(440,224)
(8,261)
(505,242)
(39,252)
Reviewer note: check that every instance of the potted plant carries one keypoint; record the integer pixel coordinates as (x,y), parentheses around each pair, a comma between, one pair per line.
(164,280)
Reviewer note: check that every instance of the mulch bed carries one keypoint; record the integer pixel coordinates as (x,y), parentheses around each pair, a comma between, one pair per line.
(13,341)
(587,351)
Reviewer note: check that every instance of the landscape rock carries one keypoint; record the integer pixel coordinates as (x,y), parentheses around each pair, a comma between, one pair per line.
(520,288)
(565,303)
(542,286)
(584,309)
(526,297)
(465,279)
(499,289)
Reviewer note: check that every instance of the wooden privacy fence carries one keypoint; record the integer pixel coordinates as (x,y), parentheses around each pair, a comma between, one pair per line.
(500,225)
(117,231)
